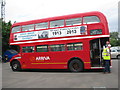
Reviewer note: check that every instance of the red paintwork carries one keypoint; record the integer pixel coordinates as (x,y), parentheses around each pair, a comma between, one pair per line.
(61,56)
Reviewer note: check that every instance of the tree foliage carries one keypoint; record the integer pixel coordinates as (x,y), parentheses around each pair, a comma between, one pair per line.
(114,40)
(5,35)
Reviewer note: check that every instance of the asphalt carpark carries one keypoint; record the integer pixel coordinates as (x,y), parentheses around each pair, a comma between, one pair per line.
(59,78)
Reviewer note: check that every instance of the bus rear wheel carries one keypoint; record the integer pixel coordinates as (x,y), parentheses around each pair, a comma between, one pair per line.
(75,65)
(15,65)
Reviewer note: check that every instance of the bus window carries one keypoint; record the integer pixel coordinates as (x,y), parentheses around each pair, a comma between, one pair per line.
(57,23)
(16,29)
(91,19)
(27,49)
(42,48)
(75,46)
(28,27)
(41,25)
(59,47)
(74,21)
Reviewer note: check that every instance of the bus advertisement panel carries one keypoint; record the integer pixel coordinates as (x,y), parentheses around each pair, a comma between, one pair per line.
(60,32)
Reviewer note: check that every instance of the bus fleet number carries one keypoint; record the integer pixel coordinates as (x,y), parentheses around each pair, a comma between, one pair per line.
(68,32)
(57,33)
(71,31)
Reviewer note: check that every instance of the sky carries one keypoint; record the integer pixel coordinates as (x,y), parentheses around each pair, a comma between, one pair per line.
(25,10)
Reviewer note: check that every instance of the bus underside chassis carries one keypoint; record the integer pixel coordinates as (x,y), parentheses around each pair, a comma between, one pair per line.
(96,48)
(15,65)
(75,65)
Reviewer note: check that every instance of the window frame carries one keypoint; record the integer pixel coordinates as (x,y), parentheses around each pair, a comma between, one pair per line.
(27,26)
(42,45)
(47,23)
(73,48)
(28,52)
(81,21)
(17,31)
(57,25)
(63,49)
(91,22)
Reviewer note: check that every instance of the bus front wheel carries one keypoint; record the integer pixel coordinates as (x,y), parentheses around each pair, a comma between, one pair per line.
(15,65)
(75,65)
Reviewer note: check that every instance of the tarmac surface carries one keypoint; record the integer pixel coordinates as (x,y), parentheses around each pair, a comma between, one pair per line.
(59,78)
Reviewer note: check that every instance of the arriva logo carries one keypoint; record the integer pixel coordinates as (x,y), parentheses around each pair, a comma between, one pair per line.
(43,58)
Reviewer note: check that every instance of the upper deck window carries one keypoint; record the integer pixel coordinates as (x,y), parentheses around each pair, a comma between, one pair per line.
(28,27)
(91,19)
(41,25)
(74,21)
(16,29)
(57,23)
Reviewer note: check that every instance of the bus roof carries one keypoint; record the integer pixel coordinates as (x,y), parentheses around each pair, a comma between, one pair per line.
(96,13)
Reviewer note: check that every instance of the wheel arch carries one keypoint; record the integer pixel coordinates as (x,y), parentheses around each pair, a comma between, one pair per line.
(13,61)
(118,55)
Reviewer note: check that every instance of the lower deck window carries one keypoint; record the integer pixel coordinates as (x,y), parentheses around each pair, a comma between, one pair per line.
(75,46)
(42,48)
(60,47)
(27,49)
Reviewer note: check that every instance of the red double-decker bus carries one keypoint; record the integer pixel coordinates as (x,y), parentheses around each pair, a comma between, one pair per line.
(73,42)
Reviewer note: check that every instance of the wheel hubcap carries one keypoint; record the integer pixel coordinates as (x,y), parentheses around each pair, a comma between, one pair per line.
(76,66)
(15,66)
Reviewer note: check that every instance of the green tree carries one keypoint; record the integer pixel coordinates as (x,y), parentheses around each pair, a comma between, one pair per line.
(5,35)
(114,40)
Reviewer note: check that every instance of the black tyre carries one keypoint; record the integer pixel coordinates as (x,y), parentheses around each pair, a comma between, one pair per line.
(15,65)
(76,65)
(118,57)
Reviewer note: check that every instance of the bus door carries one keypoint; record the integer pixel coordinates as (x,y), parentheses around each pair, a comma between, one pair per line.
(95,53)
(96,48)
(27,55)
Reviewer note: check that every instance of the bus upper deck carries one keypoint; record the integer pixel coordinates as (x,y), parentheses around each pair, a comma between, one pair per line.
(74,25)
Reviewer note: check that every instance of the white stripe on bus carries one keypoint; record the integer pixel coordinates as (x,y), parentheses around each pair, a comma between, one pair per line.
(60,39)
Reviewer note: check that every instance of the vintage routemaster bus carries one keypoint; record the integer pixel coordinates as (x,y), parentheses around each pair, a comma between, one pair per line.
(73,42)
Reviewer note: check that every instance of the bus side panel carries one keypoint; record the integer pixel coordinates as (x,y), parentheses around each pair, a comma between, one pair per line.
(82,55)
(63,57)
(57,59)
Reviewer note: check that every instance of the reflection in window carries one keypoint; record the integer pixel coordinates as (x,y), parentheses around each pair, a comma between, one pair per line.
(95,45)
(41,25)
(15,47)
(91,19)
(28,27)
(75,46)
(27,49)
(16,29)
(57,23)
(74,21)
(60,47)
(42,48)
